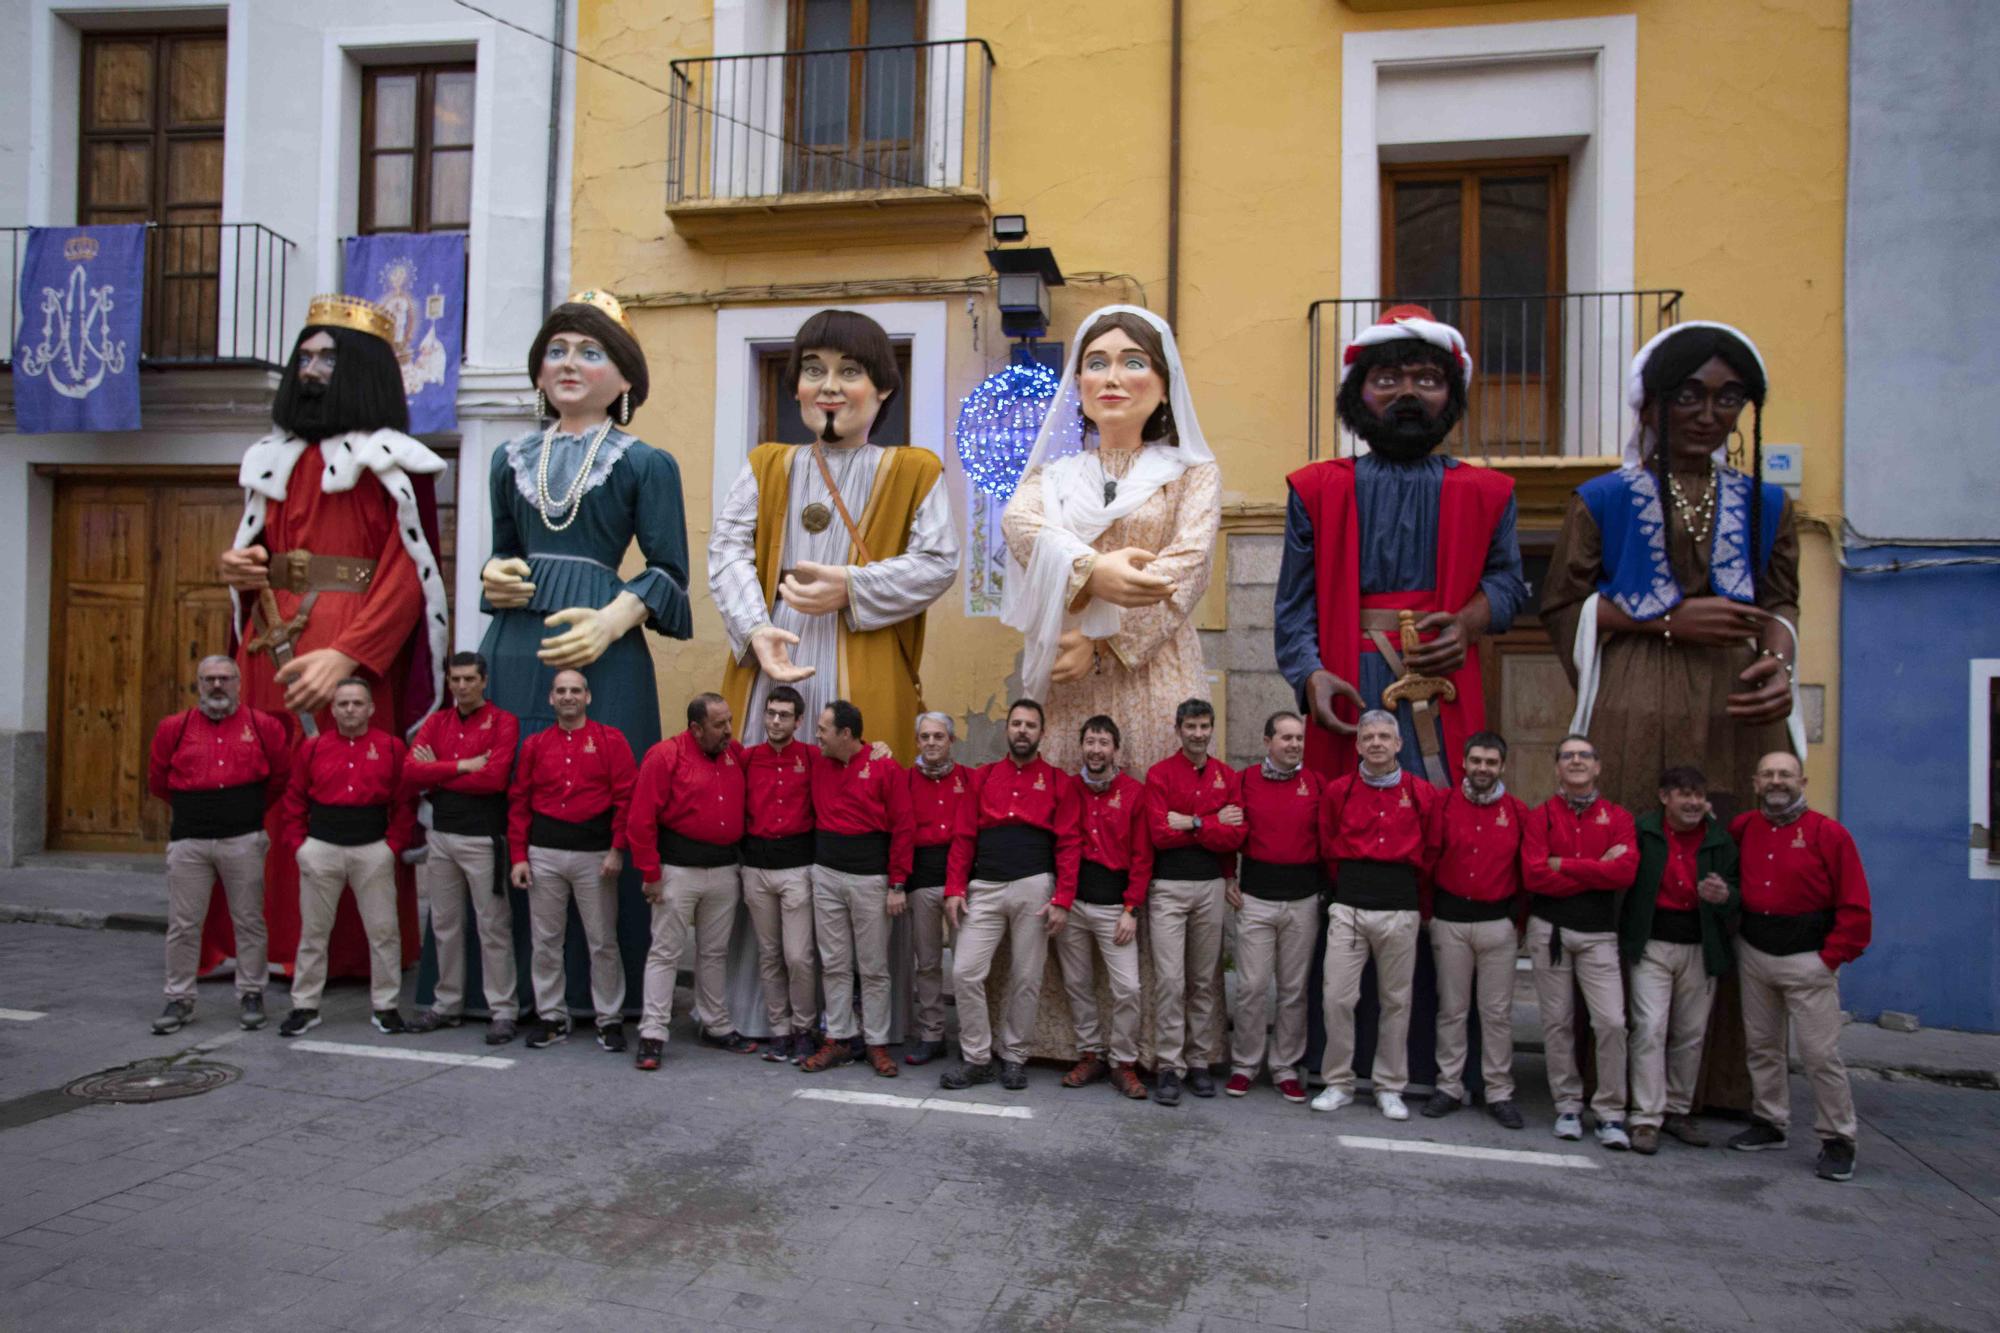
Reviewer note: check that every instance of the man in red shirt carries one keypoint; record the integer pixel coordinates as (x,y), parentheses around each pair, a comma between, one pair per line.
(566,838)
(1113,874)
(1013,877)
(462,757)
(937,787)
(777,874)
(1276,897)
(346,819)
(684,827)
(219,765)
(1578,853)
(861,862)
(1378,832)
(1473,940)
(1806,915)
(1194,819)
(1674,929)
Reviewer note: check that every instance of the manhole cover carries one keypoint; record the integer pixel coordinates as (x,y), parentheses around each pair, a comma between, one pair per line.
(153,1081)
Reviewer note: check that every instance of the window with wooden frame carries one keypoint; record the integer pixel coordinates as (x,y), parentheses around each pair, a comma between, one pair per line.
(150,144)
(416,148)
(1482,244)
(853,116)
(778,418)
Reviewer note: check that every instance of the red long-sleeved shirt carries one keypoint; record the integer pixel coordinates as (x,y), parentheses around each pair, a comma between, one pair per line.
(332,769)
(866,795)
(1580,840)
(192,753)
(1479,855)
(452,736)
(778,787)
(1281,819)
(1114,834)
(574,776)
(1808,865)
(1402,823)
(1677,877)
(682,788)
(1174,786)
(1035,794)
(934,804)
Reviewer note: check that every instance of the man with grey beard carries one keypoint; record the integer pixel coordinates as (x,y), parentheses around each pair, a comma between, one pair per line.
(219,765)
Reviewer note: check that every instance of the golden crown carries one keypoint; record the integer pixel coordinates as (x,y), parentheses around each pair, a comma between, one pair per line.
(606,302)
(352,312)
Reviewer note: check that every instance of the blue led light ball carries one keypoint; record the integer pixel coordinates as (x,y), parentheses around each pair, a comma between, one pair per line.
(997,423)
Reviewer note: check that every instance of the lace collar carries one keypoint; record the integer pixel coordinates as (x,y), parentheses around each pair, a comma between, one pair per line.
(524,455)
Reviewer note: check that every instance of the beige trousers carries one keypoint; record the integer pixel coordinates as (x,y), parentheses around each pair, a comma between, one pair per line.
(1274,941)
(700,901)
(1093,929)
(851,921)
(997,910)
(1669,991)
(1795,990)
(781,912)
(927,938)
(1589,963)
(1184,919)
(460,867)
(1352,934)
(193,866)
(1481,954)
(324,870)
(557,877)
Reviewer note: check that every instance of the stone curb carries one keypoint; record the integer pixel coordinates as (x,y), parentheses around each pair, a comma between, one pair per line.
(78,919)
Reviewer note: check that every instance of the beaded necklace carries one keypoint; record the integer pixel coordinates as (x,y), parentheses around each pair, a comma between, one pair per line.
(571,503)
(1697,517)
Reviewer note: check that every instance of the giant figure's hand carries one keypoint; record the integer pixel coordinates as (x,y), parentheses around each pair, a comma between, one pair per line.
(591,631)
(772,648)
(309,679)
(1075,655)
(1714,620)
(815,590)
(246,570)
(1322,688)
(1444,654)
(1769,696)
(1120,578)
(505,583)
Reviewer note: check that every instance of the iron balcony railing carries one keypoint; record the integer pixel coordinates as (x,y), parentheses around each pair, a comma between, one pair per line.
(215,295)
(1548,369)
(913,116)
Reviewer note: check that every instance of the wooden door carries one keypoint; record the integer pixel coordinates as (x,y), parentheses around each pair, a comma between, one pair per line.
(134,604)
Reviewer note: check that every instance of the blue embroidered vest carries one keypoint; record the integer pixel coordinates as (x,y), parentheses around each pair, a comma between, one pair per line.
(1638,576)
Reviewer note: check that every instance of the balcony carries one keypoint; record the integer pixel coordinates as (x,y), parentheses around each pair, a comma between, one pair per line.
(849,145)
(215,295)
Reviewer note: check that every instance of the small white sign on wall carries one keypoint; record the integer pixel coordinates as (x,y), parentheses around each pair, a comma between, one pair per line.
(1785,465)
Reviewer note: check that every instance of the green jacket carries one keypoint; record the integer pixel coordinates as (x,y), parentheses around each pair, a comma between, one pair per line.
(1718,920)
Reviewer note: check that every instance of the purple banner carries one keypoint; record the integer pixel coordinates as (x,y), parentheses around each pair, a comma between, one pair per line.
(420,280)
(76,364)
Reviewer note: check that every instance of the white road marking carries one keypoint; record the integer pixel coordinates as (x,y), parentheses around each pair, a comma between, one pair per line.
(1459,1150)
(913,1103)
(216,1043)
(20,1015)
(390,1053)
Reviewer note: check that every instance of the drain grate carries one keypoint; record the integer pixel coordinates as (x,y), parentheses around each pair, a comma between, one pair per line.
(153,1081)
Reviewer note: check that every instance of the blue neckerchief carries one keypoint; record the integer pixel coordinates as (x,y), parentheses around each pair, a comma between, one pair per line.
(1638,576)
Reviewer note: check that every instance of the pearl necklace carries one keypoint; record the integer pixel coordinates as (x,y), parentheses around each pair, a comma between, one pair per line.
(1697,517)
(570,503)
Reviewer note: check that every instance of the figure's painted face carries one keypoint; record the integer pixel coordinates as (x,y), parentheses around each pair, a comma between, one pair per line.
(579,378)
(1703,409)
(1482,768)
(1405,408)
(317,357)
(781,721)
(1286,745)
(1118,382)
(835,391)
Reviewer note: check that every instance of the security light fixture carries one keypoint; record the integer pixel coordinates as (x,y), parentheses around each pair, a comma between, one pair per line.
(1026,273)
(1009,227)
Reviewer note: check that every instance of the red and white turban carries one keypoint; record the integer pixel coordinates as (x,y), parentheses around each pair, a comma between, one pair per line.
(1409,321)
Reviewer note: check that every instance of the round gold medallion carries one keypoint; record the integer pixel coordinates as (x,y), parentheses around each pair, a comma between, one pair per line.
(816,517)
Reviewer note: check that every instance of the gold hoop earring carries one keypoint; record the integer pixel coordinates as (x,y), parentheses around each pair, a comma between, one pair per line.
(625,408)
(541,406)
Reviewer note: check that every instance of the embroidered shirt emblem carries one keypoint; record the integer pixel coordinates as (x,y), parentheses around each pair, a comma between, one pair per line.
(1041,784)
(248,734)
(1219,784)
(1603,815)
(1403,798)
(1117,800)
(1500,819)
(957,785)
(371,751)
(590,745)
(1799,839)
(863,774)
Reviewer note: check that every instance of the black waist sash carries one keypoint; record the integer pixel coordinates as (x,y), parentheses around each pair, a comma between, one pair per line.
(1448,906)
(567,835)
(1100,885)
(1804,932)
(347,825)
(1280,881)
(1194,863)
(1676,927)
(1377,886)
(778,853)
(469,815)
(219,812)
(1014,851)
(928,870)
(1595,912)
(852,853)
(677,849)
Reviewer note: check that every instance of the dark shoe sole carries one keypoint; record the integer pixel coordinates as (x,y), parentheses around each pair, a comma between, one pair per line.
(302,1031)
(1780,1146)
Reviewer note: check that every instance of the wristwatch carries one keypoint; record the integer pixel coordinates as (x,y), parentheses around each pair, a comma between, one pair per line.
(1197,824)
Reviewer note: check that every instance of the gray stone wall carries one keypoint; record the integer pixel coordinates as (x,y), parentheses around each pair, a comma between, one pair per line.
(1243,651)
(23,763)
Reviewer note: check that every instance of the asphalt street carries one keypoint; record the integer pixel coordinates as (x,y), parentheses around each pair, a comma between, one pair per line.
(332,1186)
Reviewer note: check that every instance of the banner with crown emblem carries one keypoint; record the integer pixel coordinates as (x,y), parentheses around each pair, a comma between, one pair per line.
(420,280)
(76,357)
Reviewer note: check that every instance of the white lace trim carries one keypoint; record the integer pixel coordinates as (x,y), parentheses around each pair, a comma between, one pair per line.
(525,455)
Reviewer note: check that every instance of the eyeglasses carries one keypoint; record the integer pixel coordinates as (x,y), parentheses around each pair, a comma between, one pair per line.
(1568,755)
(1729,398)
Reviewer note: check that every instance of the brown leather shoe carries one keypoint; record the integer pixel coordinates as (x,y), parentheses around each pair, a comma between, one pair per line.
(1684,1128)
(1088,1069)
(833,1051)
(1125,1080)
(1645,1140)
(884,1063)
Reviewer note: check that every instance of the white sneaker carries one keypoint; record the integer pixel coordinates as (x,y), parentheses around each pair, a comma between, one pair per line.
(1332,1100)
(1391,1105)
(1611,1134)
(1569,1125)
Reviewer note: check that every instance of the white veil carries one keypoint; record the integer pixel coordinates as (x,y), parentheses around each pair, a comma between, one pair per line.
(1074,512)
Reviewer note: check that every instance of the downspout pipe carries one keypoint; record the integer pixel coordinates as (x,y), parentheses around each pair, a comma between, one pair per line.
(556,54)
(1174,178)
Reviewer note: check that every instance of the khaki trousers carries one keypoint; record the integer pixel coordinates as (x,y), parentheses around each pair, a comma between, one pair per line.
(1352,934)
(927,938)
(1798,988)
(193,866)
(781,912)
(1274,940)
(1590,963)
(1669,991)
(1093,928)
(851,921)
(459,867)
(557,877)
(1184,919)
(997,910)
(324,870)
(1469,954)
(700,901)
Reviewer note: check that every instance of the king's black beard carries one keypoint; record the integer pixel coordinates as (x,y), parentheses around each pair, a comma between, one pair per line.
(1403,432)
(310,410)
